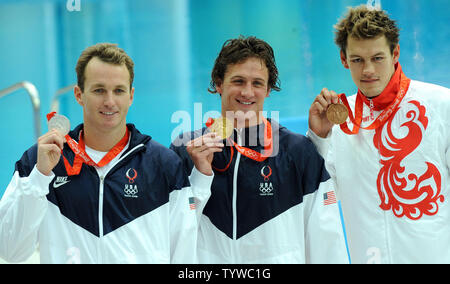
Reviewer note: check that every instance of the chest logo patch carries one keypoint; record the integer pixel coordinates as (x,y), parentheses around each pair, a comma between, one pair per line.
(266,187)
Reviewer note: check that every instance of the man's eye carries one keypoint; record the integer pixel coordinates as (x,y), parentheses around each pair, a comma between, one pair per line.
(356,60)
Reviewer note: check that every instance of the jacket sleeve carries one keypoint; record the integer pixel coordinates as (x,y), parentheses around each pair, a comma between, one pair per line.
(186,207)
(22,209)
(200,184)
(322,144)
(201,190)
(325,149)
(324,228)
(179,147)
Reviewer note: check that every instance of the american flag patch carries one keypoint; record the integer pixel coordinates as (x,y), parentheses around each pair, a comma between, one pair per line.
(191,203)
(329,198)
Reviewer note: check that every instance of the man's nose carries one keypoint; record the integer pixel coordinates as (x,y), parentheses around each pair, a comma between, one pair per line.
(247,91)
(109,99)
(369,69)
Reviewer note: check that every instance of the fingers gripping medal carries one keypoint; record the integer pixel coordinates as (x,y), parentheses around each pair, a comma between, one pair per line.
(337,113)
(225,127)
(58,122)
(62,124)
(222,127)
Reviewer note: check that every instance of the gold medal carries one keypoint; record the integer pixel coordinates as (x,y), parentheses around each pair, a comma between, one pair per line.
(337,113)
(223,127)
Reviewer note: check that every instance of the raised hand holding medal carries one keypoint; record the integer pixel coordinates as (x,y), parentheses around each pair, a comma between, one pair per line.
(325,112)
(219,125)
(81,157)
(50,145)
(202,149)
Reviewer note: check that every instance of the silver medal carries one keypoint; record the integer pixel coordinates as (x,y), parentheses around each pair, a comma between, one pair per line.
(60,123)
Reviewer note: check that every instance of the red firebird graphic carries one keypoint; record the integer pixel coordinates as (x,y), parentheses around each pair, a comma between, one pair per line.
(405,193)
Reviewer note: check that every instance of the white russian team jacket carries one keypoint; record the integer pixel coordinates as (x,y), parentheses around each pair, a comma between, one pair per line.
(396,200)
(142,210)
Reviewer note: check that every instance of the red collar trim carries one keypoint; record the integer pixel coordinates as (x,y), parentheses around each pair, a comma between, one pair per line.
(389,93)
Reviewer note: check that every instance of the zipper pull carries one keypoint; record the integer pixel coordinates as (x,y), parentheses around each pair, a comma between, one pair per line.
(372,117)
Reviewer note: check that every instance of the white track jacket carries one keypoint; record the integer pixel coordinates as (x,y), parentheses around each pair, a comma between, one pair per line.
(394,182)
(141,210)
(281,210)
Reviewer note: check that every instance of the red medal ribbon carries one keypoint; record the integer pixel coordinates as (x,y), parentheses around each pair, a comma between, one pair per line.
(252,154)
(50,115)
(397,87)
(82,157)
(268,147)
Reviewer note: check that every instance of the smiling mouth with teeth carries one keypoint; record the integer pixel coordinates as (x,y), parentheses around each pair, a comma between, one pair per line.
(245,103)
(107,113)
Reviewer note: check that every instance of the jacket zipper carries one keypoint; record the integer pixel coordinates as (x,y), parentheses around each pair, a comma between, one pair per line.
(100,202)
(100,220)
(235,253)
(372,117)
(235,176)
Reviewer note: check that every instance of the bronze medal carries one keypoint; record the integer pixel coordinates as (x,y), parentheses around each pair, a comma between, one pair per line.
(223,127)
(337,113)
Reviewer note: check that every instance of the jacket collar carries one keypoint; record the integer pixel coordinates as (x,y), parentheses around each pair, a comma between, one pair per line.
(389,93)
(136,137)
(253,136)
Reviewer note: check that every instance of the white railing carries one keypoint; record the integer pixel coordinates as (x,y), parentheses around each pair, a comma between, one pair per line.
(35,101)
(55,100)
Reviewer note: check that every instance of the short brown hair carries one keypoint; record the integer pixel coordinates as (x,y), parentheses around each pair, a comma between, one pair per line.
(240,49)
(363,22)
(106,52)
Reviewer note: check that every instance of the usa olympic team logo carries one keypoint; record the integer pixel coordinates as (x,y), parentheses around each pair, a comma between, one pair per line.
(266,187)
(131,174)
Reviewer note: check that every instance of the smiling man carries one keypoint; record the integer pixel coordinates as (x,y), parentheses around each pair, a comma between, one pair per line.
(244,90)
(108,195)
(266,206)
(391,160)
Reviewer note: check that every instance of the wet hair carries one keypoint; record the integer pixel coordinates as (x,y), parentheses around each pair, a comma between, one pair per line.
(238,50)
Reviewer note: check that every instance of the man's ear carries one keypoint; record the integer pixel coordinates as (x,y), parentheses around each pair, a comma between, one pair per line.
(77,92)
(131,96)
(396,53)
(219,87)
(344,60)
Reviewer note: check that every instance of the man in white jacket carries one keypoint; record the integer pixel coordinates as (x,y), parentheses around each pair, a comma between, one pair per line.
(390,160)
(110,194)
